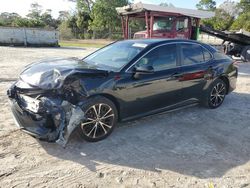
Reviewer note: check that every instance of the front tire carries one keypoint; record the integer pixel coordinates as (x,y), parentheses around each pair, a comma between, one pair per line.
(101,118)
(216,94)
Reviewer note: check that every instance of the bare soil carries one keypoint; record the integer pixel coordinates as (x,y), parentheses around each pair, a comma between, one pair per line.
(193,147)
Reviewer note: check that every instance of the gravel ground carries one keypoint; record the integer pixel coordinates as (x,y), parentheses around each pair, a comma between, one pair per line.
(194,147)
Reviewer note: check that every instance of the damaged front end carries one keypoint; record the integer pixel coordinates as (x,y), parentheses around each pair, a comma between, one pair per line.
(47,99)
(50,115)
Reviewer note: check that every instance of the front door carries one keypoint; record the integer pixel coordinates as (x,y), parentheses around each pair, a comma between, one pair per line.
(147,92)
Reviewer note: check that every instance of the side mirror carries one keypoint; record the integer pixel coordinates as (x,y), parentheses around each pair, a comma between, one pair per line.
(143,70)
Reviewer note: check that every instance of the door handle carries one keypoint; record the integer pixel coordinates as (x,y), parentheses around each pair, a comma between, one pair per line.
(177,75)
(174,76)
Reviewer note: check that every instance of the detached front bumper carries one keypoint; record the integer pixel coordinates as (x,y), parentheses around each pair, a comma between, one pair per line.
(36,125)
(53,120)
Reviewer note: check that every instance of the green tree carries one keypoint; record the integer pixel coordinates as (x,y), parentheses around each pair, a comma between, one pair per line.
(36,23)
(224,16)
(244,5)
(82,23)
(34,16)
(48,20)
(104,15)
(22,22)
(7,19)
(63,16)
(84,9)
(84,5)
(72,24)
(206,5)
(242,22)
(35,11)
(230,7)
(65,31)
(79,22)
(221,21)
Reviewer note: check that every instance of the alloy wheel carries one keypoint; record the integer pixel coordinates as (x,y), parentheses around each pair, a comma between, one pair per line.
(218,94)
(99,121)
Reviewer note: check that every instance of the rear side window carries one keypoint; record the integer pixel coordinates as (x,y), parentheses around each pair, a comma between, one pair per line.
(207,55)
(194,54)
(221,56)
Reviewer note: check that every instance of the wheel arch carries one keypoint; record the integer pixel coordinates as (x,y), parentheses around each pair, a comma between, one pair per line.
(225,79)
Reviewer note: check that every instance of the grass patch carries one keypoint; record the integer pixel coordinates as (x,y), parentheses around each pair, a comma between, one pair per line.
(76,44)
(98,43)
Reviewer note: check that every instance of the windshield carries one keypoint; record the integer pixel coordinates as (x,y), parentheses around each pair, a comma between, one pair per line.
(163,24)
(115,56)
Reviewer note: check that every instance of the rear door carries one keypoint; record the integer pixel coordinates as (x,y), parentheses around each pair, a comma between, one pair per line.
(195,69)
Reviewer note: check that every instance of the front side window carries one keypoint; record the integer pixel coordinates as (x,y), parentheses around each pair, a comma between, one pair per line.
(192,54)
(161,58)
(115,56)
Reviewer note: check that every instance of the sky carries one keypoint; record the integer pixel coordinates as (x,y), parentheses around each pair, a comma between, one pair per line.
(22,6)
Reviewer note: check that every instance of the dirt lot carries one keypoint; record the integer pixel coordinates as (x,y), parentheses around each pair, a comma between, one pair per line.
(195,147)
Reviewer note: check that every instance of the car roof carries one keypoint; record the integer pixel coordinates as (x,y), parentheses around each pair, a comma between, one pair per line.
(146,41)
(156,42)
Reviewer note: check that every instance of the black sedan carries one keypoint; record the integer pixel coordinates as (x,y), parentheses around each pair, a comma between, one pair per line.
(122,81)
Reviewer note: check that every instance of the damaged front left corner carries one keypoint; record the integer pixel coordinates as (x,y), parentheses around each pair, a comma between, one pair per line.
(48,97)
(66,117)
(76,117)
(48,117)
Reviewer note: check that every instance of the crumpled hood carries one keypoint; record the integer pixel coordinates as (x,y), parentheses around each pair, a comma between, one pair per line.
(50,74)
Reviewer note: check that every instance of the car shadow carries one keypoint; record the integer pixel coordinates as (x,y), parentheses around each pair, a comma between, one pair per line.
(195,141)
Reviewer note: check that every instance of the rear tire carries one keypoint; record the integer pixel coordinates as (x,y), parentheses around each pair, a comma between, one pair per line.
(216,94)
(101,118)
